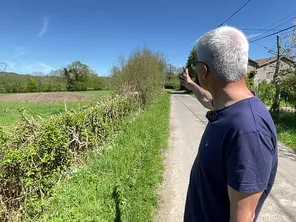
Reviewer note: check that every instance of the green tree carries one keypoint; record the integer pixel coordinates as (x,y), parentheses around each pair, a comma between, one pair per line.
(288,89)
(171,77)
(191,62)
(32,85)
(77,76)
(143,73)
(250,80)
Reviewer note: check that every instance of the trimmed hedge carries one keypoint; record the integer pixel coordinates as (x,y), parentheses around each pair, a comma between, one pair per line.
(35,153)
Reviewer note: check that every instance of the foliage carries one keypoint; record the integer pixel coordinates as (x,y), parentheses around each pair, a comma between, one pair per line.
(288,89)
(54,82)
(77,76)
(32,85)
(250,80)
(172,80)
(290,46)
(120,184)
(143,72)
(191,62)
(10,111)
(172,85)
(286,128)
(36,152)
(13,83)
(266,92)
(285,120)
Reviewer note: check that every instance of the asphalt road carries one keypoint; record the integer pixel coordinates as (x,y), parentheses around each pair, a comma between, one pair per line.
(187,125)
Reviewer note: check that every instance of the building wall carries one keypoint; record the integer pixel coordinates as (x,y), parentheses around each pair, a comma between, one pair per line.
(251,68)
(266,72)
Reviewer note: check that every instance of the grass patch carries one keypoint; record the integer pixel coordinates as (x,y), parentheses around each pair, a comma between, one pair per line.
(286,128)
(9,111)
(120,184)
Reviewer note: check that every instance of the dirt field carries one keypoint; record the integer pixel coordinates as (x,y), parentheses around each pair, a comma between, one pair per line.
(52,97)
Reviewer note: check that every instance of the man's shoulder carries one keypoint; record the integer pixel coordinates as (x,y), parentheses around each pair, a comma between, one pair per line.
(250,116)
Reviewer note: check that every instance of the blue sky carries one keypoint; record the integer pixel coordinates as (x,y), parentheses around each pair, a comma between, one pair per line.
(39,35)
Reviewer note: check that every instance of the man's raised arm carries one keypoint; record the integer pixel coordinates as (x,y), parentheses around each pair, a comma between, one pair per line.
(203,96)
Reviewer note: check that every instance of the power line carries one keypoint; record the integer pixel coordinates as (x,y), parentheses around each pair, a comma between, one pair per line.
(266,30)
(273,33)
(278,26)
(271,51)
(253,29)
(281,20)
(235,13)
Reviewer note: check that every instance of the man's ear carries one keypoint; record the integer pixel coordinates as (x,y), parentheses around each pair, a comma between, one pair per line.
(204,71)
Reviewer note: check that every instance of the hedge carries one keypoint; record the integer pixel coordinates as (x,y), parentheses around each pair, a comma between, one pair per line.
(35,153)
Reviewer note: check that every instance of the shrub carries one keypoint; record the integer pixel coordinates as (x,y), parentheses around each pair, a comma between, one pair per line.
(266,92)
(172,85)
(288,90)
(250,80)
(35,153)
(143,72)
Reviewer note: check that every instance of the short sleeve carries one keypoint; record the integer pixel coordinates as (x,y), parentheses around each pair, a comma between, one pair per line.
(249,162)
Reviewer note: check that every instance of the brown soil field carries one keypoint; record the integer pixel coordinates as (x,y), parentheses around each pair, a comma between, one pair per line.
(46,97)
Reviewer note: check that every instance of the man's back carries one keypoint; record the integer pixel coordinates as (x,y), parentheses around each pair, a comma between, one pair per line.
(239,150)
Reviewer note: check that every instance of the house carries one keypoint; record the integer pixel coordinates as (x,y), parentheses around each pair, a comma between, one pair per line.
(265,68)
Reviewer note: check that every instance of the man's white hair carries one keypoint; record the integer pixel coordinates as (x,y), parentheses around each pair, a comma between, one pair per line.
(225,50)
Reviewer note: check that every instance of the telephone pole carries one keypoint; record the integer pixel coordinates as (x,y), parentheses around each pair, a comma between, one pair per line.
(275,108)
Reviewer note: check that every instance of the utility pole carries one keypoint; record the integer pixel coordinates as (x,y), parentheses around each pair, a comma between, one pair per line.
(275,108)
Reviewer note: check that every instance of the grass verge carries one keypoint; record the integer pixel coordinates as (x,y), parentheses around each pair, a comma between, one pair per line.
(120,184)
(286,128)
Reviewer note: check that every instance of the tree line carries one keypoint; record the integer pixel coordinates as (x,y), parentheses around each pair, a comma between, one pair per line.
(75,77)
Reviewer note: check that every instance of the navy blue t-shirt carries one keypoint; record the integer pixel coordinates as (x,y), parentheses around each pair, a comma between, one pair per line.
(239,150)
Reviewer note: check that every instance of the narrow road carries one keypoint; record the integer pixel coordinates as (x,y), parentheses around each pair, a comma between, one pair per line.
(187,125)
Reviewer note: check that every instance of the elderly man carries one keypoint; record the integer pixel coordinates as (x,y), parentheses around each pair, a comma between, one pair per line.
(236,164)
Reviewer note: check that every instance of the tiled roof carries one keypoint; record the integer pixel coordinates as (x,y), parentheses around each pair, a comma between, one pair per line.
(265,60)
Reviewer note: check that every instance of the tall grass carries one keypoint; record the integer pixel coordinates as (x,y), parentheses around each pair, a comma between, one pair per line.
(286,127)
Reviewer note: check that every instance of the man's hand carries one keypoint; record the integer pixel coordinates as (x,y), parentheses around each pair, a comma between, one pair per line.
(186,80)
(203,96)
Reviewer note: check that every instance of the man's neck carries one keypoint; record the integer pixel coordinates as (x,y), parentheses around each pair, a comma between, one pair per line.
(230,94)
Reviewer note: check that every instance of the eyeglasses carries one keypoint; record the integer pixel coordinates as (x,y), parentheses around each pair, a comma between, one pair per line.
(193,66)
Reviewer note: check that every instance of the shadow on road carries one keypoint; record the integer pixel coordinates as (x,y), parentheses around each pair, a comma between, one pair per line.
(287,153)
(283,208)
